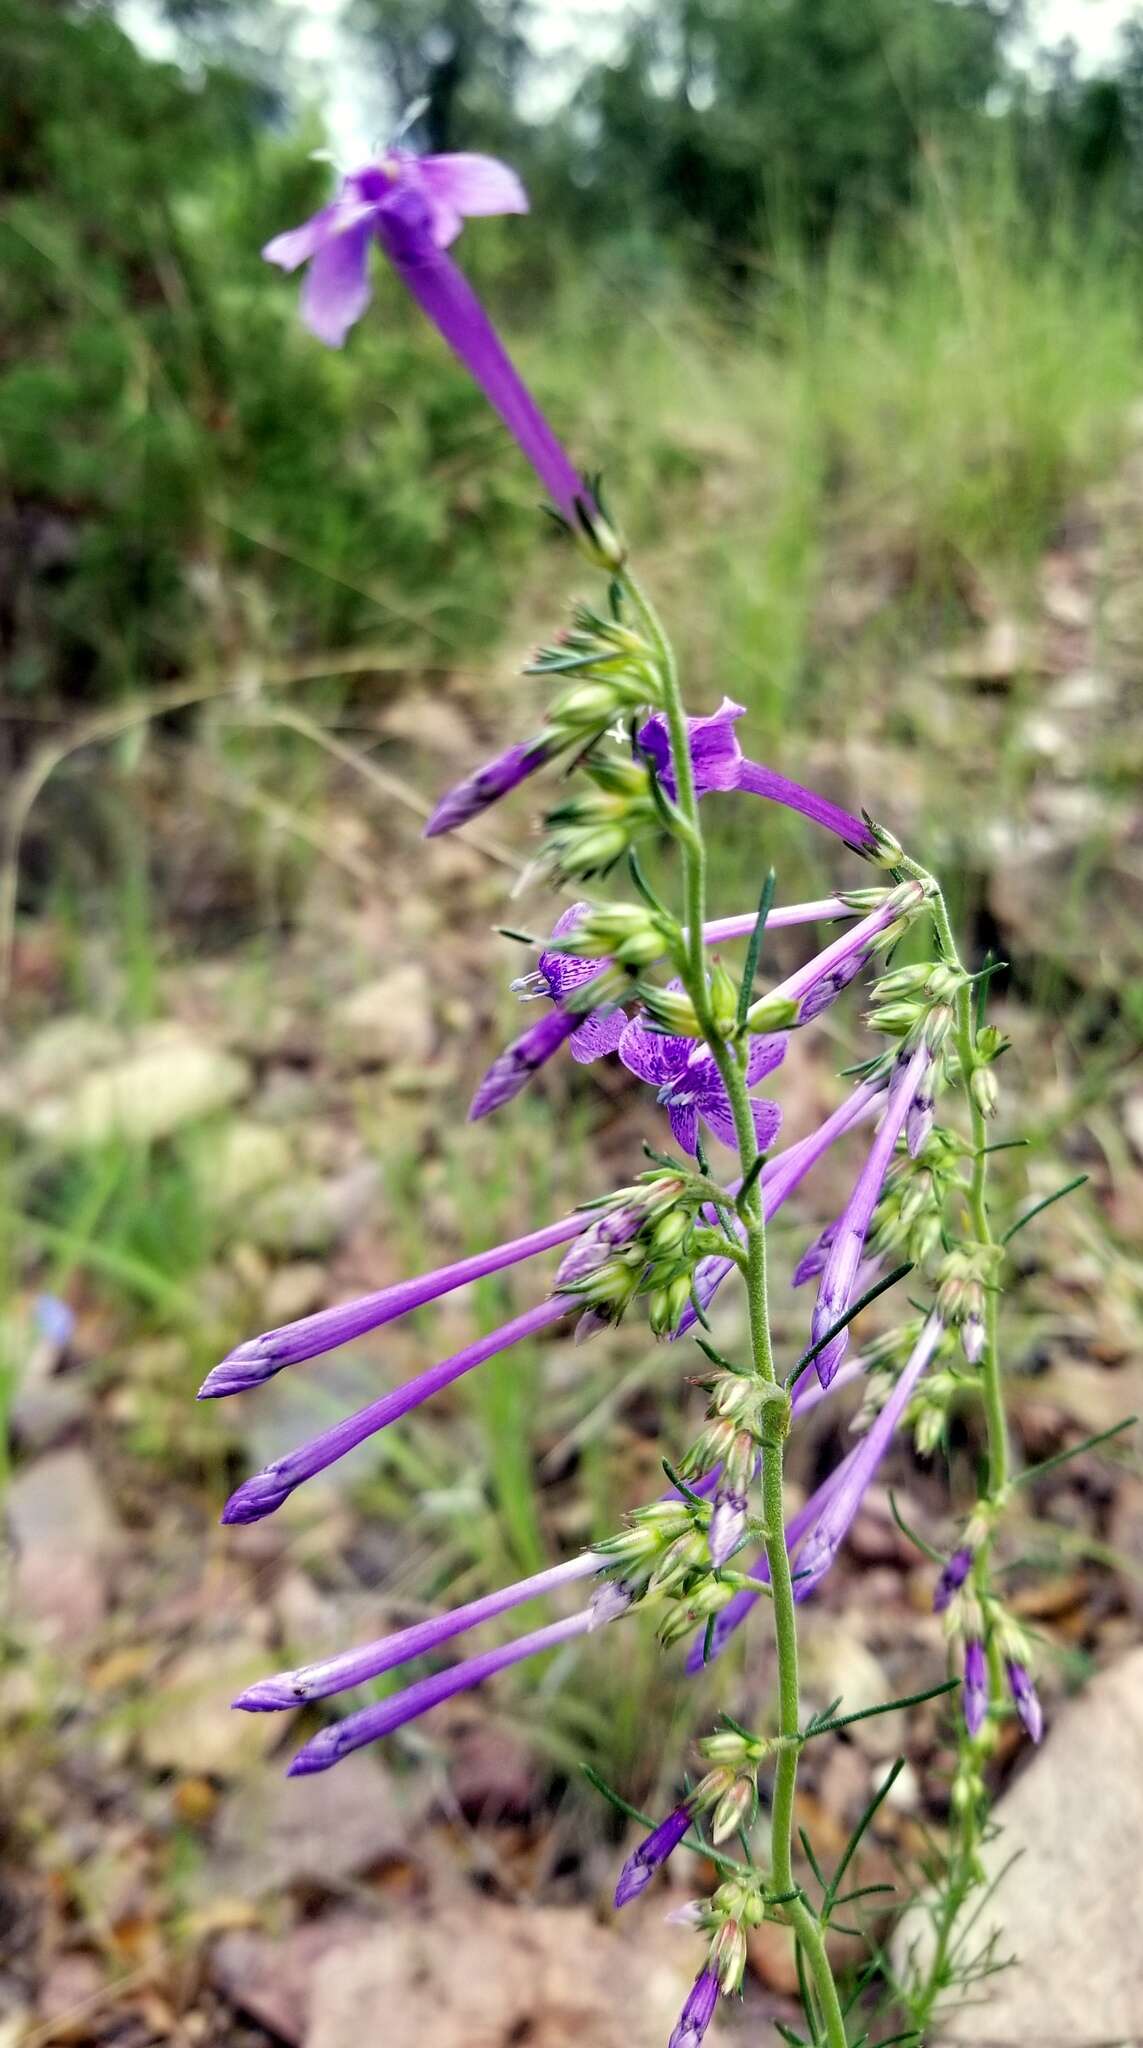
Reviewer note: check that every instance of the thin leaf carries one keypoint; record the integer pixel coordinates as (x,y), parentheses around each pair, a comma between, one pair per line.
(1076,1451)
(680,1485)
(913,1699)
(700,1312)
(864,1891)
(1068,1188)
(507,931)
(854,1842)
(871,1293)
(743,1195)
(621,1805)
(918,1542)
(812,1860)
(750,965)
(1003,1145)
(644,886)
(717,1358)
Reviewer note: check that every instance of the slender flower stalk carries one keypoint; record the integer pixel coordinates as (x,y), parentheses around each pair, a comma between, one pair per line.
(266,1490)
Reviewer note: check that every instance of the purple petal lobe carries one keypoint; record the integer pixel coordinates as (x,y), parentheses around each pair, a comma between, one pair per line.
(697,2013)
(485,786)
(337,289)
(512,1069)
(472,185)
(651,1854)
(716,756)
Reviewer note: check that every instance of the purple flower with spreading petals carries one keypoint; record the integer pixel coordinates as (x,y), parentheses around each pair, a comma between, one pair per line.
(719,764)
(1026,1698)
(839,1273)
(690,1085)
(716,757)
(697,2013)
(558,974)
(415,206)
(951,1580)
(975,1689)
(651,1854)
(824,1539)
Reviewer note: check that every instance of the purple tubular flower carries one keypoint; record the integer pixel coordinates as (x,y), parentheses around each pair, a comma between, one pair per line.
(780,1176)
(414,207)
(486,786)
(840,1271)
(814,1257)
(266,1490)
(651,1854)
(719,763)
(816,985)
(823,1541)
(716,757)
(1026,1698)
(697,2013)
(727,1526)
(761,781)
(975,1689)
(690,1085)
(353,1667)
(825,910)
(331,1744)
(952,1578)
(513,1068)
(259,1358)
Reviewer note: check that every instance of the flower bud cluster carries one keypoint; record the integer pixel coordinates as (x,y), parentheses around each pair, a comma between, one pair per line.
(611,673)
(910,1214)
(963,1277)
(928,1409)
(648,1241)
(595,828)
(726,1918)
(744,1415)
(628,933)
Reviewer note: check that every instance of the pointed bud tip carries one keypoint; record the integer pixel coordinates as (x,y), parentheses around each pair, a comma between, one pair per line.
(267,1696)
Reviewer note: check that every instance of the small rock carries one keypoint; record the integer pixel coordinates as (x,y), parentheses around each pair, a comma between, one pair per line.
(247,1157)
(42,1414)
(293,1291)
(387,1021)
(190,1724)
(479,1973)
(835,1660)
(270,1980)
(60,1053)
(66,1540)
(171,1080)
(1065,1862)
(278,1831)
(308,1216)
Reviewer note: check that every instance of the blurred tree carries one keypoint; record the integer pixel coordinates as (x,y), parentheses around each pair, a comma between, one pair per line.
(464,58)
(749,118)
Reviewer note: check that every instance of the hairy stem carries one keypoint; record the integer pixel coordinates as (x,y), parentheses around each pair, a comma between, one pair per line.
(807,1928)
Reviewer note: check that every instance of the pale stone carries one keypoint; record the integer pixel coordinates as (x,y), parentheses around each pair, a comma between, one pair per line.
(307,1216)
(480,1975)
(388,1021)
(66,1539)
(191,1726)
(171,1080)
(1066,1866)
(247,1157)
(278,1831)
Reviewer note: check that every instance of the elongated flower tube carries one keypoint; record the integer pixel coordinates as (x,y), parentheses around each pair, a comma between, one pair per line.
(732,1616)
(720,764)
(952,1578)
(810,990)
(513,1068)
(486,785)
(353,1667)
(1026,1698)
(259,1358)
(824,1538)
(651,1854)
(839,1273)
(266,1490)
(414,207)
(975,1688)
(697,2013)
(331,1744)
(780,1176)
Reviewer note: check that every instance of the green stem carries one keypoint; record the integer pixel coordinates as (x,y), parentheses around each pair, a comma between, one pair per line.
(806,1926)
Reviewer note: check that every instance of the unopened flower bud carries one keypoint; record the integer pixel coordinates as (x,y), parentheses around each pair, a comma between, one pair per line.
(666,1305)
(734,1809)
(671,1009)
(723,1000)
(985,1091)
(728,1955)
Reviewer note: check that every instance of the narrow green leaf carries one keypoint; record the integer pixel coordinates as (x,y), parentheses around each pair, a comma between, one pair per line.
(680,1485)
(507,931)
(1003,1145)
(913,1699)
(871,1293)
(811,1858)
(854,1842)
(750,965)
(743,1195)
(620,1805)
(918,1542)
(644,887)
(1076,1451)
(1068,1188)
